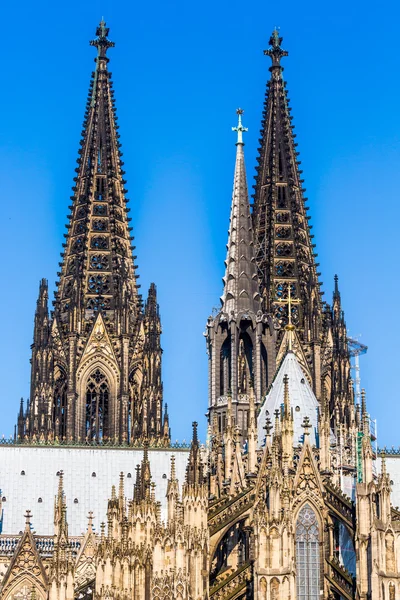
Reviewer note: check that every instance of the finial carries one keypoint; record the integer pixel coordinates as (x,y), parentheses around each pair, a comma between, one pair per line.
(268,426)
(102,42)
(121,491)
(275,52)
(173,472)
(286,401)
(383,463)
(240,129)
(306,426)
(195,440)
(336,292)
(90,521)
(28,516)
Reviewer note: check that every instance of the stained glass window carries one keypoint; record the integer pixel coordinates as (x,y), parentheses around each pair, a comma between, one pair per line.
(307,555)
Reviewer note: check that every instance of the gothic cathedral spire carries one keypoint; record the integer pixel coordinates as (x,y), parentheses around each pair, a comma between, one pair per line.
(97,270)
(96,362)
(284,250)
(239,338)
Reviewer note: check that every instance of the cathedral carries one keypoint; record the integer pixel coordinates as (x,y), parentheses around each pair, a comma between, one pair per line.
(287,499)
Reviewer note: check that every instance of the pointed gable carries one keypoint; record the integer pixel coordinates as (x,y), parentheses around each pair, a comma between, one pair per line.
(307,477)
(302,400)
(98,345)
(85,567)
(26,567)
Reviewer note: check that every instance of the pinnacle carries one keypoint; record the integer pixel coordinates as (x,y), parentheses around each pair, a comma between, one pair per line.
(102,43)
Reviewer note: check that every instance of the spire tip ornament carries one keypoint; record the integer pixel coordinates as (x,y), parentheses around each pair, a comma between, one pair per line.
(102,43)
(275,52)
(239,128)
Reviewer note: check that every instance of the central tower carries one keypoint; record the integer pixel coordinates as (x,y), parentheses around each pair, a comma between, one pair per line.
(96,360)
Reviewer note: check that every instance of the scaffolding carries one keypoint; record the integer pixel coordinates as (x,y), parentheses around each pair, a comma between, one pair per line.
(356,349)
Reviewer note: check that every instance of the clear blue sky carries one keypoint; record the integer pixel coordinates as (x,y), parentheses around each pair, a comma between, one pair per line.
(180,70)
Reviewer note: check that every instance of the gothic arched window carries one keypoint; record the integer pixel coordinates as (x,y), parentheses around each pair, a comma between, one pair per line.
(97,409)
(225,367)
(60,404)
(307,555)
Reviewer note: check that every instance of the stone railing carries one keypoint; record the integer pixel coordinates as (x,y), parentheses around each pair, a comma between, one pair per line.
(389,451)
(44,544)
(136,445)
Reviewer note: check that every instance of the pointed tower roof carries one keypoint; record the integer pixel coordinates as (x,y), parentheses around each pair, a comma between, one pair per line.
(291,382)
(97,268)
(194,470)
(283,241)
(240,280)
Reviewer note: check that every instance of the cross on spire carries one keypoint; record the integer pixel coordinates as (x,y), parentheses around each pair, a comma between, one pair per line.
(102,42)
(289,301)
(275,52)
(240,129)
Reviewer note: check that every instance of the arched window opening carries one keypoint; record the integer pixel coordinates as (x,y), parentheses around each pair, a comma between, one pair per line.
(307,555)
(225,368)
(274,589)
(60,404)
(97,406)
(392,591)
(133,426)
(264,370)
(245,364)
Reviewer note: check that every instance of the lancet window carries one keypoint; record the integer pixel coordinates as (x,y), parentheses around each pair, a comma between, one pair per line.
(60,404)
(225,367)
(307,555)
(97,406)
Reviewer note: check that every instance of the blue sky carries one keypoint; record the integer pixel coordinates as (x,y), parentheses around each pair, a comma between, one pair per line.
(180,70)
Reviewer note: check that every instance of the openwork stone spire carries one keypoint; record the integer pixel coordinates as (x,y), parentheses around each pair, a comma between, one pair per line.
(97,271)
(283,240)
(240,281)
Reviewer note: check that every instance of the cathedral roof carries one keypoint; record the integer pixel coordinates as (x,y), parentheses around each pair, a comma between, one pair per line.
(302,399)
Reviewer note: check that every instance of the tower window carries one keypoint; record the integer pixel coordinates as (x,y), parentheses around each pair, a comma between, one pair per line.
(97,399)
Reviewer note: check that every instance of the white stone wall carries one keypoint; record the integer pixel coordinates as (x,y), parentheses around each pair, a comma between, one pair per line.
(92,493)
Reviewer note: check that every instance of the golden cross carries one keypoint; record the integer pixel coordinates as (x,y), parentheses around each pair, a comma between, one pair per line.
(289,301)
